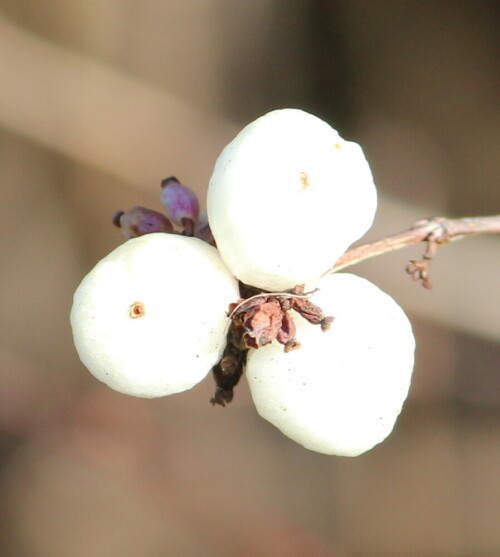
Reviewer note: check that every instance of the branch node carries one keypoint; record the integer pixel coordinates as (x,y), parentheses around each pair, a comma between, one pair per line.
(435,231)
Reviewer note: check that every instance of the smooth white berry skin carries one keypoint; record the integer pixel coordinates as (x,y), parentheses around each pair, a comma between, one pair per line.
(287,197)
(342,390)
(184,289)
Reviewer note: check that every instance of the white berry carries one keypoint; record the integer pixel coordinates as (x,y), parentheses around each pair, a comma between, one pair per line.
(342,390)
(287,197)
(150,319)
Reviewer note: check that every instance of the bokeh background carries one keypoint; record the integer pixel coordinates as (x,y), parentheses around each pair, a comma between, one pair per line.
(99,101)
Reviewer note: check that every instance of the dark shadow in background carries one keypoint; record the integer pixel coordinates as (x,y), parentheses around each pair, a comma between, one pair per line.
(296,58)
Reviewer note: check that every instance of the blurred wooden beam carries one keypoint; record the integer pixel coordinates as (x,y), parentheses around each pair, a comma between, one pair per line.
(102,117)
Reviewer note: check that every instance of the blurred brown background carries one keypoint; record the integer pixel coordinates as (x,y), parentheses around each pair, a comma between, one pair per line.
(99,101)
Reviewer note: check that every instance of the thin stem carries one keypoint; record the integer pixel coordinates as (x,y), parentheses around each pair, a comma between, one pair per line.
(435,231)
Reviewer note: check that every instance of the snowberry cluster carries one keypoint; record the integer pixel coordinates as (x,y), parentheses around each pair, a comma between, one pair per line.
(287,197)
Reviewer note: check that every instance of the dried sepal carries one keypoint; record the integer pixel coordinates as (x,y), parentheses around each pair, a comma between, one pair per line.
(262,323)
(419,271)
(287,333)
(265,317)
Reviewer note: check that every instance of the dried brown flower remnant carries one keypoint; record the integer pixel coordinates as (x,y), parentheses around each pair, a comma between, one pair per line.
(264,317)
(257,320)
(309,311)
(419,271)
(287,332)
(137,310)
(262,323)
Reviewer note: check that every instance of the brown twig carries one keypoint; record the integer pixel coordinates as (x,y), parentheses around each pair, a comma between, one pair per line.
(435,231)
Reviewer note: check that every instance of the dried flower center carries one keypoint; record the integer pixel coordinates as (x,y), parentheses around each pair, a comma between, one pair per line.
(304,180)
(257,320)
(137,310)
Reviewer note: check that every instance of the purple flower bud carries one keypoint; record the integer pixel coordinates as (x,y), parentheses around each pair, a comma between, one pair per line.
(139,221)
(180,201)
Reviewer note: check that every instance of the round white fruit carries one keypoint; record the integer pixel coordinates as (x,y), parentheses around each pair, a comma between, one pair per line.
(287,197)
(342,390)
(150,319)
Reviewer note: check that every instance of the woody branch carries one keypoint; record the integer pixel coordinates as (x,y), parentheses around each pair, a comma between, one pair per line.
(435,231)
